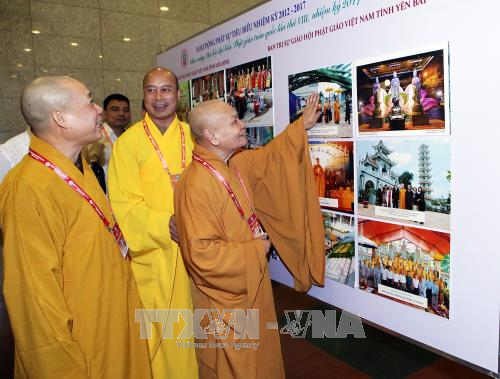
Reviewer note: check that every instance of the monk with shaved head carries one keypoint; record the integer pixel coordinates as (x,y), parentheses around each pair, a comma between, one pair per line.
(69,288)
(145,165)
(231,206)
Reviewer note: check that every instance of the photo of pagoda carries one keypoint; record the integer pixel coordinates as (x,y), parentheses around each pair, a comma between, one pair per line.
(406,180)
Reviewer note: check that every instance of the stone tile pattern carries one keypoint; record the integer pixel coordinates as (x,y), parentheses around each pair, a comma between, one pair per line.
(85,39)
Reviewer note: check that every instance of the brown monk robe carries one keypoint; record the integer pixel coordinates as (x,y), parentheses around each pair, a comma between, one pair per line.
(225,259)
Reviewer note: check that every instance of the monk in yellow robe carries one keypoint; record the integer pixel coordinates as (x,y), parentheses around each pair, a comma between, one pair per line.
(223,246)
(319,177)
(143,169)
(69,290)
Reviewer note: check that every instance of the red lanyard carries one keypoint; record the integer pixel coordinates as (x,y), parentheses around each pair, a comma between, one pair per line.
(115,231)
(244,188)
(252,221)
(221,179)
(173,177)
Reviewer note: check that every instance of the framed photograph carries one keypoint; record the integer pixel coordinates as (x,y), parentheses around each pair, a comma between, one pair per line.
(333,168)
(405,264)
(339,247)
(184,103)
(334,86)
(403,94)
(250,92)
(207,87)
(405,180)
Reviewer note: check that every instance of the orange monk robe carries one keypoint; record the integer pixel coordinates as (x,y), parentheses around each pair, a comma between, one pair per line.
(227,265)
(402,198)
(253,80)
(336,111)
(264,80)
(70,295)
(319,177)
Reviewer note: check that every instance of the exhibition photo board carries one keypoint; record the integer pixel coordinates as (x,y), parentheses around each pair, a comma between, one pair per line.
(406,180)
(404,93)
(339,247)
(405,264)
(184,103)
(334,86)
(246,87)
(250,92)
(333,169)
(207,87)
(399,153)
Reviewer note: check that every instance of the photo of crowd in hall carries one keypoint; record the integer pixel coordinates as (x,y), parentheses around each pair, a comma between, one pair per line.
(207,87)
(405,180)
(405,264)
(333,168)
(250,92)
(334,86)
(184,103)
(339,247)
(403,95)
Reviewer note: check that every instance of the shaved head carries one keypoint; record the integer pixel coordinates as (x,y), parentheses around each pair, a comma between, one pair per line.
(43,96)
(205,116)
(161,92)
(216,127)
(159,70)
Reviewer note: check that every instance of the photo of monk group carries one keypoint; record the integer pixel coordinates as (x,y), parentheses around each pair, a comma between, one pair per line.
(405,94)
(184,104)
(250,92)
(405,264)
(405,180)
(333,168)
(207,87)
(334,86)
(339,247)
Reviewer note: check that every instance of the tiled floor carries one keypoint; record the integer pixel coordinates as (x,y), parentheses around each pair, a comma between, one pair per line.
(379,355)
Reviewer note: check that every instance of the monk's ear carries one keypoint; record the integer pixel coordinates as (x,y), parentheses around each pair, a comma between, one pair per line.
(59,119)
(211,137)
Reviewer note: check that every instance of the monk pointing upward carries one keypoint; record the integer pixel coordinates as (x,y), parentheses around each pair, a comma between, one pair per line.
(224,202)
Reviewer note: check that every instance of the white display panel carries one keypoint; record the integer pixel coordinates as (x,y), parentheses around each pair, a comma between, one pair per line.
(313,34)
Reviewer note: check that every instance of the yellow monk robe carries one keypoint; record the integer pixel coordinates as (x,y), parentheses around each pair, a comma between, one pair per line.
(402,198)
(141,196)
(227,265)
(70,295)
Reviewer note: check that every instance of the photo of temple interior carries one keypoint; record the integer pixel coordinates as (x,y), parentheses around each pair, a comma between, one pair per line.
(402,94)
